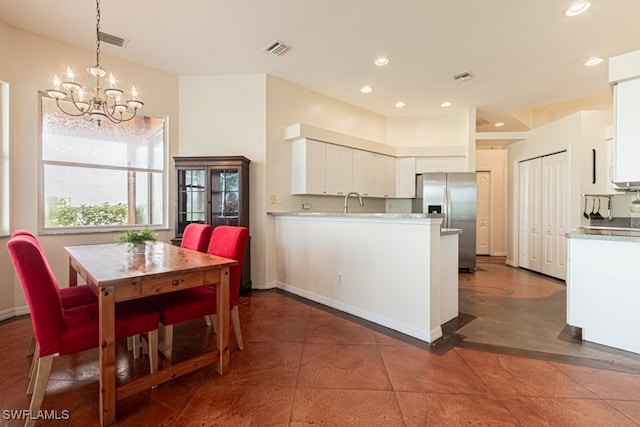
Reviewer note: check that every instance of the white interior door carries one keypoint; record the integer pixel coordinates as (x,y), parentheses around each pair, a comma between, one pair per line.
(529,216)
(483,203)
(554,215)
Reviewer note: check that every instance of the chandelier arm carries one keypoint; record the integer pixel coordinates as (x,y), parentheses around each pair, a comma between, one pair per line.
(120,119)
(81,113)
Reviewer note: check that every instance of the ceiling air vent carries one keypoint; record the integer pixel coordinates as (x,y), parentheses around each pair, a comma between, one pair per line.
(277,48)
(461,77)
(116,41)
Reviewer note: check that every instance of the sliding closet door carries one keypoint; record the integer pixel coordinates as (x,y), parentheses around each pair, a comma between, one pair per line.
(555,215)
(529,227)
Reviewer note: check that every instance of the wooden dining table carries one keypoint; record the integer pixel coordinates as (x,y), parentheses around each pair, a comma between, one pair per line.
(117,275)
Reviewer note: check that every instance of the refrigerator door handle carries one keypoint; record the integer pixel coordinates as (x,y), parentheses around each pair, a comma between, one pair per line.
(447,207)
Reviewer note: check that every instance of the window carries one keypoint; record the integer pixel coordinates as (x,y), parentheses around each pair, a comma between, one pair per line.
(107,176)
(4,158)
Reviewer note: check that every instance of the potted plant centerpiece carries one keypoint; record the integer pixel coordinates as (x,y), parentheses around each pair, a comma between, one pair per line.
(138,239)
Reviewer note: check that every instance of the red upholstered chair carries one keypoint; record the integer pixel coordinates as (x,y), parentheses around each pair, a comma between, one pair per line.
(70,297)
(196,236)
(228,242)
(60,330)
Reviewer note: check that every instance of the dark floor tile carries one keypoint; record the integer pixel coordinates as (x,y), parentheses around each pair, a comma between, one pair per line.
(417,370)
(516,376)
(342,366)
(272,364)
(630,409)
(325,407)
(238,406)
(275,329)
(545,411)
(605,384)
(436,409)
(324,328)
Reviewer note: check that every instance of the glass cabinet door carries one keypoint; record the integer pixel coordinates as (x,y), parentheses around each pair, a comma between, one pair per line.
(225,197)
(192,197)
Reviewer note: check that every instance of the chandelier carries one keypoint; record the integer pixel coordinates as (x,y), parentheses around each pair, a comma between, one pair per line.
(92,100)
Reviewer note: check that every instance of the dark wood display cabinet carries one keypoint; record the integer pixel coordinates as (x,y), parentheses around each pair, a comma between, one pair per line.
(215,191)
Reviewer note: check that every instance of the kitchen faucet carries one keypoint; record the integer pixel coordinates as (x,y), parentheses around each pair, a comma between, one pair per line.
(346,200)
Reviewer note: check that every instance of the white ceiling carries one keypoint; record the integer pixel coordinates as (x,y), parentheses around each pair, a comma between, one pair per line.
(523,54)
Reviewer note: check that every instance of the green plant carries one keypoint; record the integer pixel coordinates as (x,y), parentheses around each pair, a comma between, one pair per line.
(137,236)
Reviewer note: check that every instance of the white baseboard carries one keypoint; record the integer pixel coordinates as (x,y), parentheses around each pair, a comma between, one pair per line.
(264,286)
(372,317)
(13,312)
(498,254)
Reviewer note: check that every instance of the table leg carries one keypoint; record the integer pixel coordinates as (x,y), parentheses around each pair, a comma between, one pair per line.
(73,276)
(223,310)
(107,350)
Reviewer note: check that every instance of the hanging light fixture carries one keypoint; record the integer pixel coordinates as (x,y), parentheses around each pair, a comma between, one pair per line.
(91,100)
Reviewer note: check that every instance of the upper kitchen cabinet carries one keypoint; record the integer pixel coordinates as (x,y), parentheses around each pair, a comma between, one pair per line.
(319,168)
(405,177)
(364,173)
(441,164)
(624,74)
(627,133)
(385,176)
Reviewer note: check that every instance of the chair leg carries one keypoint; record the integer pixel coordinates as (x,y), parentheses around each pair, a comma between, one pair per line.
(153,350)
(32,345)
(207,320)
(136,346)
(42,378)
(33,370)
(235,319)
(129,343)
(167,342)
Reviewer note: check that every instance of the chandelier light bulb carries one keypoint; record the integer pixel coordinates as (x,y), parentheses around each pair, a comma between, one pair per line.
(56,82)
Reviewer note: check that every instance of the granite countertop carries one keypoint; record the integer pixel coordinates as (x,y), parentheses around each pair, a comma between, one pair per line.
(359,215)
(601,233)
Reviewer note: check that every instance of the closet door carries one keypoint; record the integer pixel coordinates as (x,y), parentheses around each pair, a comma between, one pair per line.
(529,227)
(554,215)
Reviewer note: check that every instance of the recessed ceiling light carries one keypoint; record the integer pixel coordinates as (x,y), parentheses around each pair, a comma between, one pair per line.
(499,124)
(382,61)
(593,61)
(400,104)
(366,89)
(577,7)
(446,104)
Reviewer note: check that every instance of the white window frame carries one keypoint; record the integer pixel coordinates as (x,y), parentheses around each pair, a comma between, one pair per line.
(103,228)
(4,159)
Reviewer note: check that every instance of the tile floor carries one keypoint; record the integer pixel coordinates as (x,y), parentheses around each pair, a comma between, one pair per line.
(303,364)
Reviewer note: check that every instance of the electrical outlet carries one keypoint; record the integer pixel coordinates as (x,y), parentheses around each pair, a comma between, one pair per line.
(278,198)
(273,199)
(340,279)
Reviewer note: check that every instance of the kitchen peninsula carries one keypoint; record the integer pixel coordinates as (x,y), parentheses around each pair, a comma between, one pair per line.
(602,286)
(396,270)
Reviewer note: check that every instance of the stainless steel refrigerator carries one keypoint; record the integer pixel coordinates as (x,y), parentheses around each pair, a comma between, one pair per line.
(454,195)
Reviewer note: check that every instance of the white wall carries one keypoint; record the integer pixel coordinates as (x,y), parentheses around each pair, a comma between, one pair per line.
(226,116)
(28,65)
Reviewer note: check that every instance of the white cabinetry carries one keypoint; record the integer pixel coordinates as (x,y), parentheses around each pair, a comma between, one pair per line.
(627,131)
(405,177)
(385,176)
(441,164)
(319,168)
(543,214)
(308,167)
(339,170)
(364,173)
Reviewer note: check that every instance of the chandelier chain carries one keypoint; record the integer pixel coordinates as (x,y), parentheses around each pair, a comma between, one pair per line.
(98,33)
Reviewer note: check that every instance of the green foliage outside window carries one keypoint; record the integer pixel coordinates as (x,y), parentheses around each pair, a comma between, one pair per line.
(61,215)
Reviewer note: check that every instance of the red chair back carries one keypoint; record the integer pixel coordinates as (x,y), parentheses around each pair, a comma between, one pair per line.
(196,237)
(230,242)
(41,291)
